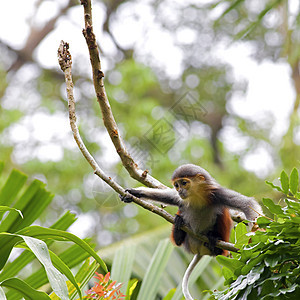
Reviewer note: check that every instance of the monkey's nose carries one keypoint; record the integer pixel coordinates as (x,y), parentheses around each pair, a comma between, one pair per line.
(182,194)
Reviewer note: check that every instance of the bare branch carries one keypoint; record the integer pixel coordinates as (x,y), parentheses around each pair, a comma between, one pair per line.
(108,118)
(65,62)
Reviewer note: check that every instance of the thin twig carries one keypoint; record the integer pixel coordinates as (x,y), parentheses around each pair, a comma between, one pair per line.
(112,127)
(108,118)
(65,62)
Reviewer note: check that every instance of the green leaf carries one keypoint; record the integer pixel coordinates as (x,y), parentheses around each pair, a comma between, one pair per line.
(263,222)
(284,179)
(72,257)
(122,265)
(130,288)
(272,260)
(63,268)
(170,295)
(85,273)
(154,272)
(32,203)
(274,208)
(7,243)
(2,294)
(41,232)
(24,289)
(294,205)
(1,167)
(241,237)
(294,181)
(39,248)
(14,267)
(228,274)
(268,287)
(240,230)
(65,221)
(278,188)
(11,188)
(34,206)
(251,264)
(56,279)
(230,263)
(7,208)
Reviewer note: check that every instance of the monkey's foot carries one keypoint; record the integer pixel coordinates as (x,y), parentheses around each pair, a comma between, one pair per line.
(211,245)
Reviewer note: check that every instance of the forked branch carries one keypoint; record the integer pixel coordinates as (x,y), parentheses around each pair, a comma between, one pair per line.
(65,61)
(107,115)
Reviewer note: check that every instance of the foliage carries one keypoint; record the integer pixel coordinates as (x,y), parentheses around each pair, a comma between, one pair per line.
(150,267)
(269,266)
(127,264)
(21,205)
(141,92)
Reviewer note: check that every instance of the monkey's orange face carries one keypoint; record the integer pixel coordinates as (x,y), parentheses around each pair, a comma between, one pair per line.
(182,186)
(192,189)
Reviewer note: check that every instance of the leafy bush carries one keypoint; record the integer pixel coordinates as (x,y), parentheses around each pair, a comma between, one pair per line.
(267,266)
(28,202)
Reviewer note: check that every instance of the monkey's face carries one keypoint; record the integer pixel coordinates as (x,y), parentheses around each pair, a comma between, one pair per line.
(182,186)
(194,189)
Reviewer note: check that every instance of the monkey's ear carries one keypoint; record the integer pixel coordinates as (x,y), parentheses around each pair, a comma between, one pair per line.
(201,177)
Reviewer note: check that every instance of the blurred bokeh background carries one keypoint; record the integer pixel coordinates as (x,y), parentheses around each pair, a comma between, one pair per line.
(215,83)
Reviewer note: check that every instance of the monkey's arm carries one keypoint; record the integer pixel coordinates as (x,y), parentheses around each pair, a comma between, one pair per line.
(235,200)
(165,196)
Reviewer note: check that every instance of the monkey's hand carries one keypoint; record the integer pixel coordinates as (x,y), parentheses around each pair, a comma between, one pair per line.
(128,198)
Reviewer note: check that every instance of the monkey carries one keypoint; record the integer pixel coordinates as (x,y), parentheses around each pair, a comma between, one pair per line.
(203,205)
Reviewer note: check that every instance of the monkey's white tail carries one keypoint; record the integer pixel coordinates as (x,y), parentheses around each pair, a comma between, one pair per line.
(185,280)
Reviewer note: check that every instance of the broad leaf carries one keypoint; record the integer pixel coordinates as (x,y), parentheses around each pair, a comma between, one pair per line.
(11,188)
(56,279)
(63,268)
(41,232)
(122,265)
(7,208)
(278,188)
(284,178)
(154,272)
(2,294)
(14,267)
(83,276)
(24,289)
(274,208)
(294,181)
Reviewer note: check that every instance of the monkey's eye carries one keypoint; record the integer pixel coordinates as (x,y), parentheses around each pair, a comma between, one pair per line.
(176,185)
(184,182)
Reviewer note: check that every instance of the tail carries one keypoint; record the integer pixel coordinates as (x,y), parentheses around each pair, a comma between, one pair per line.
(187,274)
